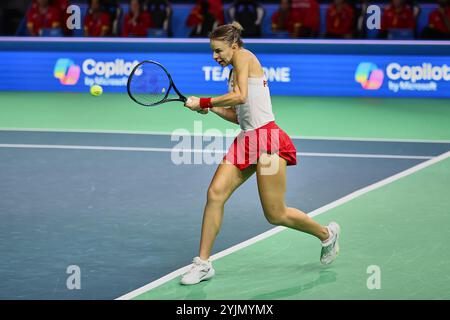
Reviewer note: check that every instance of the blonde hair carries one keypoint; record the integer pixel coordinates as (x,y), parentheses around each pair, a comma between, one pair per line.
(230,33)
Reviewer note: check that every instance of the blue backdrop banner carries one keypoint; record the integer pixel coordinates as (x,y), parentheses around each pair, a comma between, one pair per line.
(198,73)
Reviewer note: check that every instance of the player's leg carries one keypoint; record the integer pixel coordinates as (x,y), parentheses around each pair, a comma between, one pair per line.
(272,188)
(225,181)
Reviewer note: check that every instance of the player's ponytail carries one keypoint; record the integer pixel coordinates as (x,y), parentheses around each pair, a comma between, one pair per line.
(230,33)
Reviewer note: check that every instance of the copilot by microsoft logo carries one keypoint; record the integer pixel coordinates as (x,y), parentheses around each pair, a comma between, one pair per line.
(369,76)
(66,71)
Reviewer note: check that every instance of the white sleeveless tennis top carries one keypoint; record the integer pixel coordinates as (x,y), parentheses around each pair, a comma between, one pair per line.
(257,109)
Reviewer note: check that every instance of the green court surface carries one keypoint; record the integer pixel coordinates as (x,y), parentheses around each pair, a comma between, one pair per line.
(399,228)
(424,119)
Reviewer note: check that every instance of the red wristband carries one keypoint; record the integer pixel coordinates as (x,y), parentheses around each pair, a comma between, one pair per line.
(205,103)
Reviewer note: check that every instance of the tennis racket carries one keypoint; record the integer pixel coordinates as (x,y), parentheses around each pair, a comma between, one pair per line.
(149,84)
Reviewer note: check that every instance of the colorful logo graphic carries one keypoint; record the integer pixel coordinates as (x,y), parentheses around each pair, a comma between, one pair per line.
(66,71)
(370,77)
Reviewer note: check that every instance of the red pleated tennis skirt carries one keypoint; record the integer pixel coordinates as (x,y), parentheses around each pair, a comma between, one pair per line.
(248,146)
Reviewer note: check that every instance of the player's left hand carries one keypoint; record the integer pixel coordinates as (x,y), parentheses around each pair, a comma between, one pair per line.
(193,103)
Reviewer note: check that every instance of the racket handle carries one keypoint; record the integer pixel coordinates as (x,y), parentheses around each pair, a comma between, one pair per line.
(188,101)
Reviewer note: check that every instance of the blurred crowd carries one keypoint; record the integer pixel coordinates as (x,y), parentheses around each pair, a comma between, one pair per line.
(345,19)
(103,17)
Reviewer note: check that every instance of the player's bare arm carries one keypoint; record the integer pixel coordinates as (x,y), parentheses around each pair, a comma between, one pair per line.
(228,114)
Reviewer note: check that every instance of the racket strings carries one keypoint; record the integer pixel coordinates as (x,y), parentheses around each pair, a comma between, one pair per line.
(149,84)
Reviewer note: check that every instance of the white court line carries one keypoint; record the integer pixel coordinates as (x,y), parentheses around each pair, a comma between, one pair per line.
(369,139)
(165,133)
(144,149)
(276,230)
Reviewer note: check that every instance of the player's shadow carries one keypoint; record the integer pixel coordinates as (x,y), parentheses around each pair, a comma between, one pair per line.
(324,277)
(196,292)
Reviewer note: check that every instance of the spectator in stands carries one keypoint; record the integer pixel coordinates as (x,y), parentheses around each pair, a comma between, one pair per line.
(340,17)
(250,14)
(160,13)
(201,20)
(115,12)
(96,22)
(61,6)
(396,15)
(137,21)
(42,16)
(282,19)
(438,27)
(306,15)
(216,8)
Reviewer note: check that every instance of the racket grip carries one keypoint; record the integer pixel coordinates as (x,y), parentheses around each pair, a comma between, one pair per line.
(188,101)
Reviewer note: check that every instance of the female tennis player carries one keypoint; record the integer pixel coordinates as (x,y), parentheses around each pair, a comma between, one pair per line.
(261,147)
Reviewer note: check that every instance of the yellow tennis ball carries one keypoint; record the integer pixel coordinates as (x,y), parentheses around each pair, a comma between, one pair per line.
(96,90)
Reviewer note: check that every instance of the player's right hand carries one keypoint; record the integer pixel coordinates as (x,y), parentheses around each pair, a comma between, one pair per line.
(193,103)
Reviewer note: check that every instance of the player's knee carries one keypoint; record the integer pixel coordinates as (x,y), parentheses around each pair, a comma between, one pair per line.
(216,194)
(276,220)
(275,215)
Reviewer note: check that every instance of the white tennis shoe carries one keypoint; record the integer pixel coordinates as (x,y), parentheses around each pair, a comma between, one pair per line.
(330,248)
(199,271)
